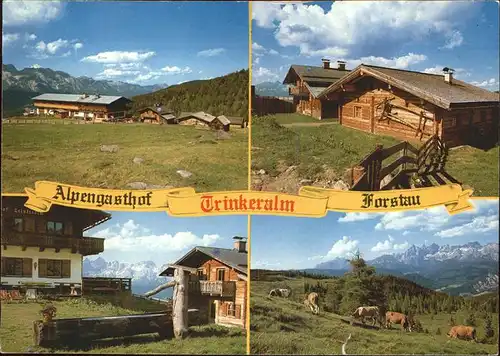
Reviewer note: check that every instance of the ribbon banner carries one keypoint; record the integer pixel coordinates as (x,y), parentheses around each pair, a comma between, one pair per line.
(310,202)
(46,194)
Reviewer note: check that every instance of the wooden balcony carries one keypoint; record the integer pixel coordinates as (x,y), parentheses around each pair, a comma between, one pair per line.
(213,288)
(83,245)
(298,91)
(103,285)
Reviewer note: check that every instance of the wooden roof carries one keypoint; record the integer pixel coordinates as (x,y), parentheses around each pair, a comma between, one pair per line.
(160,110)
(430,87)
(80,99)
(89,217)
(200,254)
(311,74)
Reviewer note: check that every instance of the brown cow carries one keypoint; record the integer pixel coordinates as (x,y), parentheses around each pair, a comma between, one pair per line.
(397,318)
(462,332)
(367,312)
(312,302)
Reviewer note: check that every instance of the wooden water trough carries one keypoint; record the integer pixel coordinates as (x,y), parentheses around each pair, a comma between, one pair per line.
(75,330)
(359,324)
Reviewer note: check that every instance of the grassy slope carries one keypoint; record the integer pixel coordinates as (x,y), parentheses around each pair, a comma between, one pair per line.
(310,147)
(341,147)
(70,154)
(17,319)
(281,326)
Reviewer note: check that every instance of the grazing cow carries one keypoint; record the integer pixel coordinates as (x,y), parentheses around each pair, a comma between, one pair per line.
(279,292)
(367,312)
(397,318)
(312,302)
(462,332)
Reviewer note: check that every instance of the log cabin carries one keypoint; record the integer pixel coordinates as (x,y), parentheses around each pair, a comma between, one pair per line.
(201,118)
(157,115)
(88,107)
(306,82)
(415,106)
(219,287)
(44,251)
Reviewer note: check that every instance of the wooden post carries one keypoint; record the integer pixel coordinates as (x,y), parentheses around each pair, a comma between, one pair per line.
(372,115)
(180,303)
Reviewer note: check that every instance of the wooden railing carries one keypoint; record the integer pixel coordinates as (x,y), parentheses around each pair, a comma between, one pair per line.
(373,173)
(83,245)
(213,288)
(100,285)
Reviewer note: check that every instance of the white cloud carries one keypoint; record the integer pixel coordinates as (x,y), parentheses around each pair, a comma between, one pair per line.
(350,217)
(342,248)
(19,12)
(265,264)
(9,38)
(78,45)
(426,220)
(30,37)
(406,232)
(351,24)
(257,47)
(211,52)
(389,245)
(45,50)
(119,57)
(492,82)
(479,224)
(273,52)
(176,70)
(438,69)
(113,73)
(130,237)
(402,62)
(36,66)
(334,51)
(256,60)
(455,39)
(144,77)
(261,74)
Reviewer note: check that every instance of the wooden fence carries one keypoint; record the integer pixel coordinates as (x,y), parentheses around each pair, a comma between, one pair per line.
(105,285)
(266,105)
(393,167)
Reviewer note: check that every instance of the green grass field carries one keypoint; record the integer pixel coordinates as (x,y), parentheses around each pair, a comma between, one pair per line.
(71,154)
(285,326)
(312,148)
(16,332)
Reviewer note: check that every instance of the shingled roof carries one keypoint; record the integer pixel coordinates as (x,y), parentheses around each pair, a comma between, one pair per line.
(78,98)
(430,87)
(229,257)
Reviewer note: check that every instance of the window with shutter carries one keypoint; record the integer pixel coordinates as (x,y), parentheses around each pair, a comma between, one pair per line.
(42,267)
(231,311)
(29,224)
(68,228)
(66,268)
(18,224)
(41,226)
(27,267)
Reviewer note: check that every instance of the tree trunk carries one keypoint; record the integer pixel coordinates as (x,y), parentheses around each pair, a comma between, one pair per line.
(160,288)
(180,303)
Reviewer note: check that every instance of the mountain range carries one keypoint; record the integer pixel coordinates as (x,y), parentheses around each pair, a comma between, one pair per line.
(145,274)
(271,89)
(461,269)
(19,86)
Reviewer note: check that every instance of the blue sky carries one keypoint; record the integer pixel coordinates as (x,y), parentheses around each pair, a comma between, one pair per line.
(288,242)
(422,36)
(158,237)
(140,42)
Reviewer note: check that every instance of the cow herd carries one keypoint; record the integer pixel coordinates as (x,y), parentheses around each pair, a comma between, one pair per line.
(374,313)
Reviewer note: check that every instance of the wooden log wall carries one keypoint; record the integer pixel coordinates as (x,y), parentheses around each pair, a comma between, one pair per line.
(363,109)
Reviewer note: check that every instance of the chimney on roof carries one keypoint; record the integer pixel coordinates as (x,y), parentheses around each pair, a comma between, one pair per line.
(326,63)
(340,65)
(448,75)
(240,244)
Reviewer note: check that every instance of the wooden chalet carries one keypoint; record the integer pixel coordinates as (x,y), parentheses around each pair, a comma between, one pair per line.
(307,82)
(218,289)
(45,251)
(88,107)
(201,118)
(157,115)
(413,105)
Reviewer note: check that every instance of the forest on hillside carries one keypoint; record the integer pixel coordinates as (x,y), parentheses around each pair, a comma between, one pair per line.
(226,95)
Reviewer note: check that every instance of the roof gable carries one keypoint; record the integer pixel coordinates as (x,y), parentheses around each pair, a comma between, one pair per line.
(228,257)
(430,87)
